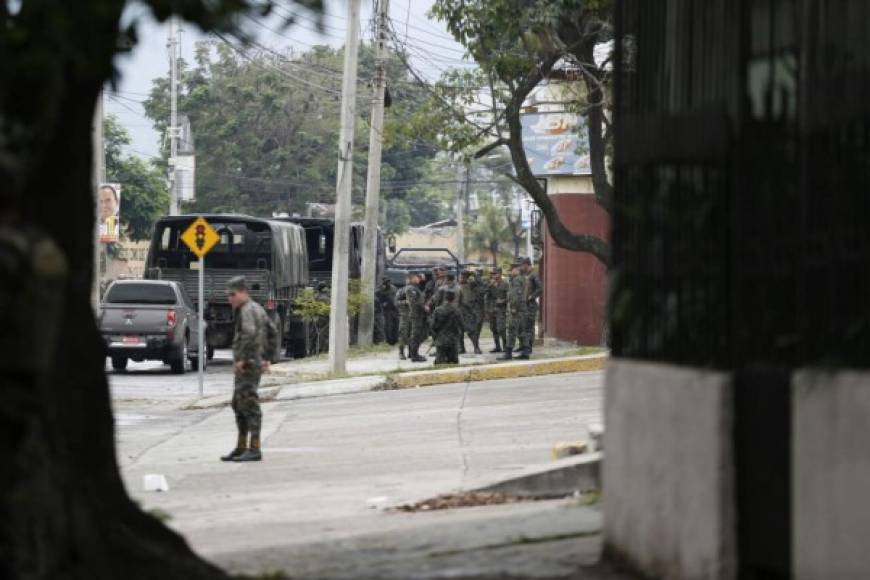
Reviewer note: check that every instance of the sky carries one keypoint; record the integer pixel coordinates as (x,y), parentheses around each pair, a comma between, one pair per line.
(431,49)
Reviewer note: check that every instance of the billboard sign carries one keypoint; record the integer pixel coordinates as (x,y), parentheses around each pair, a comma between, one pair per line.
(109,203)
(556,143)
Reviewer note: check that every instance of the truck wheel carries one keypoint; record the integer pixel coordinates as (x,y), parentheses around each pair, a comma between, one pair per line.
(177,362)
(119,363)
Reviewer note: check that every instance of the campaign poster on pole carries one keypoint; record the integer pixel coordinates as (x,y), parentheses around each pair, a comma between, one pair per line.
(109,200)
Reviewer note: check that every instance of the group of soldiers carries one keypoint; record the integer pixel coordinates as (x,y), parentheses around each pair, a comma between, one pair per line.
(448,310)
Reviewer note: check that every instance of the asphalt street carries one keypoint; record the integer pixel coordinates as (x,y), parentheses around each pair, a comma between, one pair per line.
(333,463)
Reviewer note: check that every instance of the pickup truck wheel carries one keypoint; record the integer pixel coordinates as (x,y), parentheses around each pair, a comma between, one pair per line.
(119,363)
(177,362)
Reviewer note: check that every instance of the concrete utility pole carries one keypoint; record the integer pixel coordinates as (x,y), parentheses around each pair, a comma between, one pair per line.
(172,45)
(460,213)
(341,250)
(98,176)
(373,182)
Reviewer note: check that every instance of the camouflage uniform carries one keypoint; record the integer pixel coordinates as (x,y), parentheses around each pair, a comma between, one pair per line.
(517,306)
(496,311)
(535,288)
(404,311)
(254,332)
(479,284)
(417,317)
(447,328)
(469,311)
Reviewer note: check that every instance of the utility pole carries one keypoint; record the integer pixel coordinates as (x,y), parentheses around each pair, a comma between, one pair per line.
(98,176)
(172,45)
(341,250)
(460,213)
(373,181)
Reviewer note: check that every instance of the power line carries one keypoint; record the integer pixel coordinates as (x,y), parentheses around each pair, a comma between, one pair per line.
(279,70)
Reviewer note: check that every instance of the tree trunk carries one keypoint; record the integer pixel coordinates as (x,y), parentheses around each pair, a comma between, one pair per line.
(563,236)
(64,511)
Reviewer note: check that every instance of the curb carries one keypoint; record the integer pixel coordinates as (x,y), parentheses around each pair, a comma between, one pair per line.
(507,370)
(578,474)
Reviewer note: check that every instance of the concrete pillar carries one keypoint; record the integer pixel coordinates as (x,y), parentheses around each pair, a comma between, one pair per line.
(669,499)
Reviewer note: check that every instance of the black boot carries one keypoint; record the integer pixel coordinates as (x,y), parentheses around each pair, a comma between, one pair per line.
(476,343)
(402,353)
(461,349)
(508,354)
(414,355)
(523,355)
(497,345)
(241,447)
(252,453)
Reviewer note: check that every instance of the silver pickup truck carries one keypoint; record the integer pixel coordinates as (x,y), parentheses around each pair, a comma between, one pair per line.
(149,320)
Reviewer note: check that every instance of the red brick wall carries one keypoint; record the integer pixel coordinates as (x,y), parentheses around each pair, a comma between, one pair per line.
(575,283)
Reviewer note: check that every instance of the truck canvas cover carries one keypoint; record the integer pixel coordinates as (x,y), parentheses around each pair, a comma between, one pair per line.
(247,243)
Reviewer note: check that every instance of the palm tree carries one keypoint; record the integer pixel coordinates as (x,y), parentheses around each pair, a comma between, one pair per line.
(489,231)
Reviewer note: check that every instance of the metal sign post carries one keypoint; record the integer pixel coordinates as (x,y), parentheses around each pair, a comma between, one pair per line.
(201,323)
(200,237)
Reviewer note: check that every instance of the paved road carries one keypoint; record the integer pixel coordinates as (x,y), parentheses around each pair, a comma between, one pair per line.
(328,461)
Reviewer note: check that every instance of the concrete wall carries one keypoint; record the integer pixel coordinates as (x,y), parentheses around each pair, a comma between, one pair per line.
(669,470)
(575,284)
(831,475)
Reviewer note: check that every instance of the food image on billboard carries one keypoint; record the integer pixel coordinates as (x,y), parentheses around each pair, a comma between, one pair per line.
(109,205)
(556,143)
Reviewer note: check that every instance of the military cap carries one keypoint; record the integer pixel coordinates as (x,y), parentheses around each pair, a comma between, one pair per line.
(526,261)
(237,283)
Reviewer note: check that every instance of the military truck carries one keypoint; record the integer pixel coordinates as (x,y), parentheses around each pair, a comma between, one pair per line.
(272,255)
(320,238)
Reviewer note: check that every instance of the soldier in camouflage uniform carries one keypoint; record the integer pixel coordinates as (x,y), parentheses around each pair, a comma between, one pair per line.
(496,308)
(447,328)
(419,329)
(404,310)
(254,337)
(535,288)
(479,284)
(469,310)
(517,306)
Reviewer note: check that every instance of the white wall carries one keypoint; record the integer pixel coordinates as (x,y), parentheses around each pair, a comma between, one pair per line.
(669,470)
(831,475)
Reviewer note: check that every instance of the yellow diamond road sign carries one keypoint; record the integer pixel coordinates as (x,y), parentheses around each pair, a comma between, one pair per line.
(200,237)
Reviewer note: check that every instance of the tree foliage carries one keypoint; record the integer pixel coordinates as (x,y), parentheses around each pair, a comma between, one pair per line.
(266,125)
(518,45)
(144,195)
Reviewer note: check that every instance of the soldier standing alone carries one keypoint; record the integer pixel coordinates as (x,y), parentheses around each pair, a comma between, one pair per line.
(517,306)
(255,336)
(496,308)
(447,328)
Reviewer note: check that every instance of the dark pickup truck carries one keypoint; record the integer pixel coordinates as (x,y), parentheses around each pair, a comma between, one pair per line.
(149,320)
